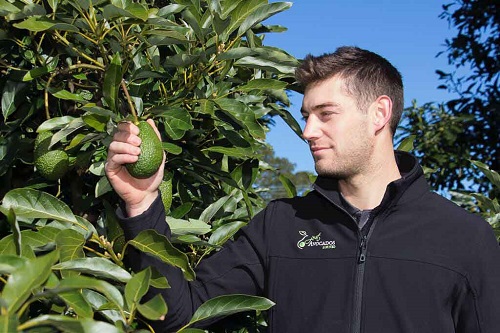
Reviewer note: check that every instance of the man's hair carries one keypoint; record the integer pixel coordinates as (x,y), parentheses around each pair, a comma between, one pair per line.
(366,75)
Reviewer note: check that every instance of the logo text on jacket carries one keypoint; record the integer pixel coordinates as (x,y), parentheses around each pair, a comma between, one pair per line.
(314,241)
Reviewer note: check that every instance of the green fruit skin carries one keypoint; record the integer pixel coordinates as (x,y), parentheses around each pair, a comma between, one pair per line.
(166,193)
(51,164)
(151,155)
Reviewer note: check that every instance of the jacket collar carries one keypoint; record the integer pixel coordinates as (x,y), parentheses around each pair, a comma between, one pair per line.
(411,173)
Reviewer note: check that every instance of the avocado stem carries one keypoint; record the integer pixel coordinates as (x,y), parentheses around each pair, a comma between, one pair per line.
(129,100)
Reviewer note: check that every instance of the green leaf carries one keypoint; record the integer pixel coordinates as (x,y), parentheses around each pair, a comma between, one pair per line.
(7,8)
(112,81)
(8,322)
(265,64)
(289,119)
(55,123)
(236,53)
(229,304)
(25,279)
(99,267)
(170,9)
(223,233)
(36,72)
(154,309)
(234,152)
(78,303)
(11,96)
(262,13)
(149,241)
(240,13)
(137,287)
(16,232)
(262,84)
(289,187)
(187,227)
(84,282)
(213,208)
(30,203)
(182,210)
(97,301)
(138,10)
(9,263)
(176,121)
(492,175)
(131,10)
(241,114)
(67,324)
(70,244)
(37,24)
(40,238)
(407,143)
(171,148)
(97,122)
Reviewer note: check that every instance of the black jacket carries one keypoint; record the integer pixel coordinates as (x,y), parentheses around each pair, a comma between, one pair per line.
(421,265)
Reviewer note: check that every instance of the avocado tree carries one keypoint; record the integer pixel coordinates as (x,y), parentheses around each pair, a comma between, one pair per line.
(71,70)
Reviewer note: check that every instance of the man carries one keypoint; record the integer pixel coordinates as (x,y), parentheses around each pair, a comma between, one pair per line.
(371,249)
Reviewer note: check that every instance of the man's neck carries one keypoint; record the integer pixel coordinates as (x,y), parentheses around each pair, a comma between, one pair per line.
(366,190)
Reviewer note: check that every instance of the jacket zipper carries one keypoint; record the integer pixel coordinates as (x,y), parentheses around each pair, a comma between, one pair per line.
(358,286)
(360,271)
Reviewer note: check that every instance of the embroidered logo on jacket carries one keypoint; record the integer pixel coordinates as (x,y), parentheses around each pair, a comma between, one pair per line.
(314,241)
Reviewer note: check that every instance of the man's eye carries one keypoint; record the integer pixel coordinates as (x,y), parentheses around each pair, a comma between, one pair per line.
(304,117)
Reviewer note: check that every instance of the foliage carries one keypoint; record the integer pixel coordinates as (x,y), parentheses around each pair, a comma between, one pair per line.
(76,68)
(478,203)
(278,178)
(466,127)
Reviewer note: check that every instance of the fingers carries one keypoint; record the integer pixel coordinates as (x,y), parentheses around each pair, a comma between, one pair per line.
(152,123)
(124,148)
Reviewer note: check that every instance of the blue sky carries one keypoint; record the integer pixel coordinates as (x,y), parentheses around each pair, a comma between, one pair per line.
(408,33)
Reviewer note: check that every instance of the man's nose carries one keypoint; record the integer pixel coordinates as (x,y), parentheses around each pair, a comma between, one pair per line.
(311,130)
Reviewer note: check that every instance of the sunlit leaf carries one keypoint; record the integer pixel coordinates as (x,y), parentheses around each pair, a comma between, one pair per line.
(84,282)
(136,287)
(78,303)
(262,13)
(185,227)
(407,143)
(223,233)
(30,203)
(230,304)
(153,309)
(25,279)
(96,266)
(149,241)
(289,186)
(262,84)
(37,24)
(55,123)
(492,175)
(9,263)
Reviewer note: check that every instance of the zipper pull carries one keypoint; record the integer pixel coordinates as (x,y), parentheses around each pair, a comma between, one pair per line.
(362,250)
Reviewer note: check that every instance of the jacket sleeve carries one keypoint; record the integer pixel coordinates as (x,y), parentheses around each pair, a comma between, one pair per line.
(238,268)
(478,303)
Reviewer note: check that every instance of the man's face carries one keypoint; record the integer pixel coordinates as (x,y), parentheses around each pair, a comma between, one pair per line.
(337,131)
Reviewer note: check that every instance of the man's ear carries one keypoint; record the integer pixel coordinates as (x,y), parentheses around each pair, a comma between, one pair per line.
(383,112)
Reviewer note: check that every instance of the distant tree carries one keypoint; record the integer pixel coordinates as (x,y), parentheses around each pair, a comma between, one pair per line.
(270,185)
(465,128)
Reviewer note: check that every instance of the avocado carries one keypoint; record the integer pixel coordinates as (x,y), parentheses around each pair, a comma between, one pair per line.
(166,191)
(151,155)
(51,164)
